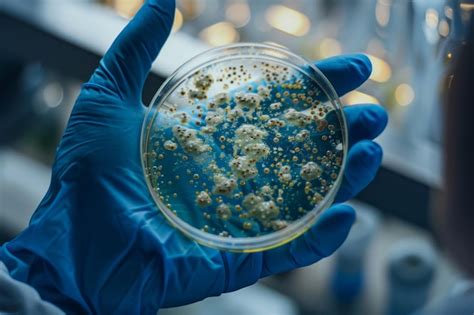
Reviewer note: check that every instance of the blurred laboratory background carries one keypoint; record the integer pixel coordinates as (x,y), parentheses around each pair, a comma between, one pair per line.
(393,262)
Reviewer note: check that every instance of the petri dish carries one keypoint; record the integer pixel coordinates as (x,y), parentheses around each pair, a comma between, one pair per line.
(243,146)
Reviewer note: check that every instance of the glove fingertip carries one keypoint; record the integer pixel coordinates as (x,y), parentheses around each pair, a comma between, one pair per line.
(366,64)
(367,160)
(373,154)
(363,163)
(340,214)
(332,229)
(346,72)
(165,9)
(362,67)
(376,116)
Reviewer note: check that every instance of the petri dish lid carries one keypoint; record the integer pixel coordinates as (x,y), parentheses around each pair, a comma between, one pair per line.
(243,146)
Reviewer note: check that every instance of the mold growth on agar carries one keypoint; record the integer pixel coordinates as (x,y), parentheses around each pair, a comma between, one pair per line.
(244,148)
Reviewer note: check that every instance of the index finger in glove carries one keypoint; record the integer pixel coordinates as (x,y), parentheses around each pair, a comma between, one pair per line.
(346,72)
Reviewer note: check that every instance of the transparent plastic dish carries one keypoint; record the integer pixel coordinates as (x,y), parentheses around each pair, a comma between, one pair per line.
(243,146)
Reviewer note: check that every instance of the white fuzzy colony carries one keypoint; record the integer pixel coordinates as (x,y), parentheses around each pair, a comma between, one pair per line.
(223,212)
(302,135)
(222,98)
(275,122)
(199,94)
(259,208)
(297,118)
(248,101)
(234,114)
(266,191)
(224,185)
(203,81)
(244,167)
(275,106)
(310,171)
(183,117)
(285,174)
(170,145)
(203,199)
(214,118)
(189,140)
(247,134)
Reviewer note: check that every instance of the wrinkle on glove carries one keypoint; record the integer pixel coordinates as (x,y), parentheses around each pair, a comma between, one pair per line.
(97,244)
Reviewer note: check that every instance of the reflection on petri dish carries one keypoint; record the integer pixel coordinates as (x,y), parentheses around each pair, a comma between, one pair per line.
(243,146)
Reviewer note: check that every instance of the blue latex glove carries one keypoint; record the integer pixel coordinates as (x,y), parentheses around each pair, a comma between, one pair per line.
(98,244)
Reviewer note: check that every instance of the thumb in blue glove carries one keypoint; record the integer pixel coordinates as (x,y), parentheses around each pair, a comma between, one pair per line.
(98,244)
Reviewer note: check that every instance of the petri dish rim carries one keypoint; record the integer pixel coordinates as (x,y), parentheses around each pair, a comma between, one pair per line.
(212,56)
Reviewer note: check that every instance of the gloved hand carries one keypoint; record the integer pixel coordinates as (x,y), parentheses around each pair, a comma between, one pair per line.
(97,242)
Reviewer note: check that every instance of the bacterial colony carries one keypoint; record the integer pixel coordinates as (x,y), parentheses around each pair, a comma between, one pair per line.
(242,148)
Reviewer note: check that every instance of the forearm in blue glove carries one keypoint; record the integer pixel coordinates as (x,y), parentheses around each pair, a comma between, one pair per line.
(98,244)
